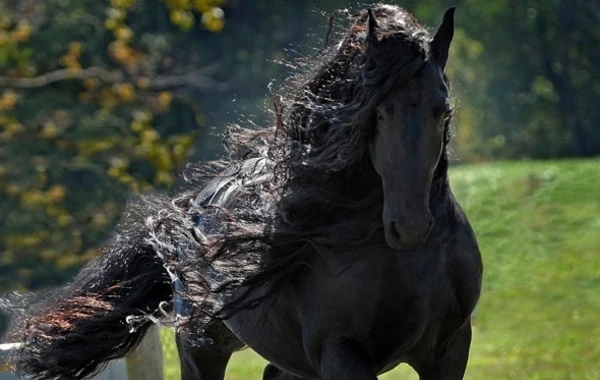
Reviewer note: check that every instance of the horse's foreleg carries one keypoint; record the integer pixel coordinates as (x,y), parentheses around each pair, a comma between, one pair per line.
(450,362)
(201,363)
(207,361)
(345,359)
(273,373)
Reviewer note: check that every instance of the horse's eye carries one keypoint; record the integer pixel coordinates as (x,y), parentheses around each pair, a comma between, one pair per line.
(379,115)
(447,115)
(442,111)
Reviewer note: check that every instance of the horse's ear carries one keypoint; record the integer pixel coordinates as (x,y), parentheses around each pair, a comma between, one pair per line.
(443,36)
(372,22)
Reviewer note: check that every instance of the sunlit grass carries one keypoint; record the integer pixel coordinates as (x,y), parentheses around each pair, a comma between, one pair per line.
(538,225)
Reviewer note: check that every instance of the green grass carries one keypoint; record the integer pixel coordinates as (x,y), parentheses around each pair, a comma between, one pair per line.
(538,225)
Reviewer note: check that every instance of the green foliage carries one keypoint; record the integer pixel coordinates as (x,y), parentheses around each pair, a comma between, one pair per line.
(93,107)
(537,225)
(532,95)
(522,72)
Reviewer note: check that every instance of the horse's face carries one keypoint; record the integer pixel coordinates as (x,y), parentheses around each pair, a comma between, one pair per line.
(408,143)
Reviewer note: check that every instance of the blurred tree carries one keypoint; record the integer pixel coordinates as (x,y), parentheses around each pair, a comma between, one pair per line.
(94,104)
(529,69)
(566,38)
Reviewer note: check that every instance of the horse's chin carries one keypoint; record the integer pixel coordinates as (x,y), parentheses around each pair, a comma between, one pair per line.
(405,246)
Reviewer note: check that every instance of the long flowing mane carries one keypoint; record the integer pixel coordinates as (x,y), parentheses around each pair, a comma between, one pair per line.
(301,186)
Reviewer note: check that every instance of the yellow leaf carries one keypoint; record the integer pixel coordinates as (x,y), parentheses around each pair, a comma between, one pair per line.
(125,91)
(64,220)
(12,190)
(8,100)
(150,135)
(5,39)
(75,49)
(213,20)
(85,97)
(89,254)
(119,162)
(49,130)
(33,198)
(164,100)
(122,3)
(179,151)
(99,220)
(53,211)
(118,14)
(143,82)
(142,116)
(90,83)
(107,98)
(110,24)
(113,172)
(162,177)
(22,32)
(137,126)
(42,177)
(14,128)
(5,22)
(206,5)
(47,254)
(183,19)
(123,33)
(56,193)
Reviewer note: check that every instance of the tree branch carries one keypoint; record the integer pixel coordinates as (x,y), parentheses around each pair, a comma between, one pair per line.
(196,80)
(60,75)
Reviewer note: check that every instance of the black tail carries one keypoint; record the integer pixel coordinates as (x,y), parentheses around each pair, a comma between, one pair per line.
(74,331)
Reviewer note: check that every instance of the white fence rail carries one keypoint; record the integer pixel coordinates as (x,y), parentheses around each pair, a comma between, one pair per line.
(144,363)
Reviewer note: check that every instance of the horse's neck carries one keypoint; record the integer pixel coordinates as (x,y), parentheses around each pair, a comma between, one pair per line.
(440,191)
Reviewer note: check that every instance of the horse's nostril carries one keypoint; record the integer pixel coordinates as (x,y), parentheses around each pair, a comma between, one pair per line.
(429,228)
(394,231)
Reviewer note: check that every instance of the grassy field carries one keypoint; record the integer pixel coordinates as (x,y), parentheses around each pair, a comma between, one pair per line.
(538,225)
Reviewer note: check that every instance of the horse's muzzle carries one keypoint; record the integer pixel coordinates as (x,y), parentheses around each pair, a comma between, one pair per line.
(411,234)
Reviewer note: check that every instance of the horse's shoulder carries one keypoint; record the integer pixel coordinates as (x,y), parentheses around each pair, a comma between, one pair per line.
(463,257)
(460,241)
(458,226)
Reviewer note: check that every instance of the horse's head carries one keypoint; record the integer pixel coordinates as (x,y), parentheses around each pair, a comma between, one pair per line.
(409,141)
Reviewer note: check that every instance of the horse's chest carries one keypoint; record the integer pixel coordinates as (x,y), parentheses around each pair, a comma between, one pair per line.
(386,301)
(376,303)
(383,301)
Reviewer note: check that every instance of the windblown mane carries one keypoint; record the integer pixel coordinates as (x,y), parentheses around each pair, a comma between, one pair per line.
(318,189)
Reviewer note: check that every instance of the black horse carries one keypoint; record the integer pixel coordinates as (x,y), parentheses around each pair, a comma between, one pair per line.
(333,246)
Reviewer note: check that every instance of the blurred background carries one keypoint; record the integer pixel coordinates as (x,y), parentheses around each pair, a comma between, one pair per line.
(101,100)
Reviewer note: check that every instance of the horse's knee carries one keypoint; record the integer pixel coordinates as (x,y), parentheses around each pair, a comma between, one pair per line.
(451,361)
(346,359)
(271,372)
(206,355)
(201,362)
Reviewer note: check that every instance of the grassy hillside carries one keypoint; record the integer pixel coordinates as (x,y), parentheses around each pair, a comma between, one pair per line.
(538,225)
